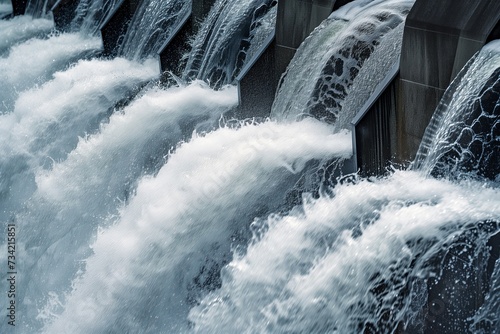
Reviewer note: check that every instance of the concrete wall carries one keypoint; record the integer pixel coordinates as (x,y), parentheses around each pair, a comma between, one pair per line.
(439,38)
(256,94)
(176,46)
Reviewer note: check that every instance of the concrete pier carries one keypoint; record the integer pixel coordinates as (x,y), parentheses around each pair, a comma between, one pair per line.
(19,7)
(177,45)
(255,95)
(114,28)
(374,128)
(439,38)
(63,12)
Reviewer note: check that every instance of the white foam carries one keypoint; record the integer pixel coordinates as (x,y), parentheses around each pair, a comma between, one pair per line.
(21,28)
(210,188)
(34,61)
(47,121)
(5,8)
(74,197)
(314,270)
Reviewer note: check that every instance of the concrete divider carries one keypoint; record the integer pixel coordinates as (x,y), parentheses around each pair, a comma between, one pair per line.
(63,12)
(373,132)
(115,26)
(439,38)
(19,7)
(177,45)
(257,82)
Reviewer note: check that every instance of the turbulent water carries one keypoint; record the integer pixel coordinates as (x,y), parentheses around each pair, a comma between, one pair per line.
(373,254)
(350,263)
(21,28)
(239,172)
(141,209)
(33,62)
(48,121)
(78,194)
(320,81)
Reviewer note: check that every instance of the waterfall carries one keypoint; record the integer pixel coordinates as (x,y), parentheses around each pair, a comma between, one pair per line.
(151,26)
(218,51)
(38,8)
(322,80)
(91,14)
(462,137)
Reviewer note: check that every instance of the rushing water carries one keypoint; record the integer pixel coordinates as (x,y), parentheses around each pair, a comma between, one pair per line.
(21,28)
(99,175)
(38,8)
(34,62)
(151,25)
(220,48)
(48,121)
(140,209)
(463,143)
(322,80)
(344,264)
(372,255)
(182,206)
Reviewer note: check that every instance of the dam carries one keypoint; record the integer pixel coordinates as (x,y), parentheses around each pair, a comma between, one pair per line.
(259,166)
